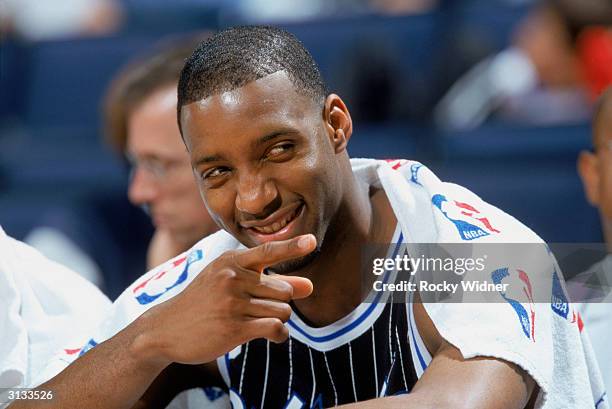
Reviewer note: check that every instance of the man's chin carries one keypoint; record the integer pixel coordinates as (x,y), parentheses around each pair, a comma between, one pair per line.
(296,265)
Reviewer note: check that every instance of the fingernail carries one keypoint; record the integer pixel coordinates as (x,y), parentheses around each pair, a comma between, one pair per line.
(304,242)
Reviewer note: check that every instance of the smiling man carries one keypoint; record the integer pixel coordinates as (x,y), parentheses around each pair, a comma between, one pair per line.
(272,306)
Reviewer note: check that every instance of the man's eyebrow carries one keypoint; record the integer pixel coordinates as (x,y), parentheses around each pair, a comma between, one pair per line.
(207,159)
(258,142)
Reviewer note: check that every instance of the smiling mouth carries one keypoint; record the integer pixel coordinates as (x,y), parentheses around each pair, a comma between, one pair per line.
(279,224)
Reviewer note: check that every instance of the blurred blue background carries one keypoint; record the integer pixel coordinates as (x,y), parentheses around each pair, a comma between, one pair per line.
(391,61)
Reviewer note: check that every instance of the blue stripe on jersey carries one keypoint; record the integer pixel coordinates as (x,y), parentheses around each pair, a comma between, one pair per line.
(359,320)
(416,344)
(601,400)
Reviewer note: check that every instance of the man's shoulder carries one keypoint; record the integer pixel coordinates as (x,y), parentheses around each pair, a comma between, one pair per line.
(217,243)
(440,211)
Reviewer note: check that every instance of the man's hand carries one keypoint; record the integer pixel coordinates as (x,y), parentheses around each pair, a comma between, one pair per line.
(230,302)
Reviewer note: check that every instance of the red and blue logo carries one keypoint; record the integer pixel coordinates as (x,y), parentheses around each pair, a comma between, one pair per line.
(414,168)
(560,304)
(89,345)
(396,163)
(414,173)
(158,284)
(469,221)
(526,319)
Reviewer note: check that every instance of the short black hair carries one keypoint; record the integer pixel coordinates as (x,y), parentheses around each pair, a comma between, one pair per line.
(577,15)
(238,55)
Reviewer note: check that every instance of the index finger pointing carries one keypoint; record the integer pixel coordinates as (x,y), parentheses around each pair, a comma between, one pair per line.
(274,252)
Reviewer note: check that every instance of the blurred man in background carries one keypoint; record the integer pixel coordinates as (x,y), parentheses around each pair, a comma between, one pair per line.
(43,20)
(559,61)
(595,170)
(140,119)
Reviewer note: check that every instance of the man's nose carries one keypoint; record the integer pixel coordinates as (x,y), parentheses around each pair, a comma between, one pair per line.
(143,188)
(256,196)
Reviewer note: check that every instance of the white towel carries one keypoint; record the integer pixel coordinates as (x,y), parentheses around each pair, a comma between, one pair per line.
(42,306)
(543,338)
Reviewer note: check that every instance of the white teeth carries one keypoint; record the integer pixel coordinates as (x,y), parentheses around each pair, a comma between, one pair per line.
(276,226)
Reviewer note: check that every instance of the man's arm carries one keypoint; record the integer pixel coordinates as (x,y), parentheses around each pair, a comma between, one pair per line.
(175,379)
(229,303)
(113,374)
(451,381)
(134,381)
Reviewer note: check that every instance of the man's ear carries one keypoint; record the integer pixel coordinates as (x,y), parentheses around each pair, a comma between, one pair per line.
(338,122)
(589,173)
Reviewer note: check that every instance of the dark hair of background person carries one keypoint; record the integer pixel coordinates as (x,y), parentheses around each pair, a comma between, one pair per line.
(580,14)
(141,77)
(234,57)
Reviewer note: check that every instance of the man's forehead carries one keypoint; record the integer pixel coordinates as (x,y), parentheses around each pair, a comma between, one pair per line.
(273,89)
(269,101)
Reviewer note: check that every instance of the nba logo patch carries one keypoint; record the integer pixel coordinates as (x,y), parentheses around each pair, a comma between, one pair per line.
(559,303)
(414,173)
(168,278)
(527,320)
(396,163)
(89,345)
(558,300)
(469,221)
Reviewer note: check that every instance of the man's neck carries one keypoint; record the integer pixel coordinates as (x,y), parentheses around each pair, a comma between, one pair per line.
(338,274)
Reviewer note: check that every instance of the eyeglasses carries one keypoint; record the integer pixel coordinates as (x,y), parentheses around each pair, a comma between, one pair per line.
(156,167)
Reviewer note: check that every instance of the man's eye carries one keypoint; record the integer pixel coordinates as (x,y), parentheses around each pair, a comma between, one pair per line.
(215,172)
(279,149)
